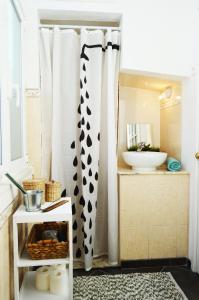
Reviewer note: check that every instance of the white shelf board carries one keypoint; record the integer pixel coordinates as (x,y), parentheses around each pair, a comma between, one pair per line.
(25,261)
(29,292)
(61,213)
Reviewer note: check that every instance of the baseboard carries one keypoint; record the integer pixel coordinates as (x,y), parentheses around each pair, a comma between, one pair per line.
(162,262)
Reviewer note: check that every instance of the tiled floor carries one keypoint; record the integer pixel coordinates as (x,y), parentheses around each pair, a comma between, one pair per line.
(186,279)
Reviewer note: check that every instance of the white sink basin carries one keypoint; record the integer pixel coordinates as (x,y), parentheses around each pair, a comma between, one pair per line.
(144,161)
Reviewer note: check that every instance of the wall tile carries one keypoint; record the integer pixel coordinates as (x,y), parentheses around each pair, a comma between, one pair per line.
(182,241)
(162,242)
(170,130)
(134,242)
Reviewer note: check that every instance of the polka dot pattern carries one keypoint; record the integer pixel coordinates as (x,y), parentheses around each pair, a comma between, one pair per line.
(85,165)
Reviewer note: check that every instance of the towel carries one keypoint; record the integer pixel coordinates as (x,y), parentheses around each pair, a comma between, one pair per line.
(173,164)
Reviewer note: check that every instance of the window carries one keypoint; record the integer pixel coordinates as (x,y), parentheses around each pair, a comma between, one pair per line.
(11,89)
(15,79)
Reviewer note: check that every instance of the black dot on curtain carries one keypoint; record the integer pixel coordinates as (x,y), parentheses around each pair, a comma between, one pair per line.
(83,229)
(88,141)
(91,188)
(84,180)
(88,127)
(75,161)
(79,109)
(89,206)
(83,121)
(83,217)
(88,110)
(92,252)
(63,194)
(81,85)
(87,95)
(85,235)
(82,151)
(82,136)
(85,80)
(82,100)
(73,145)
(75,225)
(84,67)
(73,209)
(83,166)
(75,240)
(89,159)
(90,172)
(75,177)
(76,191)
(86,249)
(79,124)
(96,176)
(98,136)
(78,253)
(82,201)
(90,224)
(90,240)
(96,204)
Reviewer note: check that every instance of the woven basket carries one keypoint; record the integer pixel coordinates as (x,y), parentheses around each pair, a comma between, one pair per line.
(47,249)
(53,191)
(35,184)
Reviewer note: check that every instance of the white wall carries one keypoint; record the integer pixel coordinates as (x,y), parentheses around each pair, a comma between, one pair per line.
(157,36)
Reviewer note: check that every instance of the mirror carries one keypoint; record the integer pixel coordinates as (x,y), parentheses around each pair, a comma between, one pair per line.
(138,133)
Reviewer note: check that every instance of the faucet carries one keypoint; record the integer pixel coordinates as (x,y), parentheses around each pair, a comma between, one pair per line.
(140,146)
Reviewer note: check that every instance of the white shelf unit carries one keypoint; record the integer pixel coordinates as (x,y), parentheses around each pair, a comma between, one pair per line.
(27,290)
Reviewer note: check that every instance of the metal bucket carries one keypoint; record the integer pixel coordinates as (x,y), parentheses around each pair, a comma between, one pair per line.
(33,200)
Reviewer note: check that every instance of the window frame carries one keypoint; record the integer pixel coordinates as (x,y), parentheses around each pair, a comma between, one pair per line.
(7,165)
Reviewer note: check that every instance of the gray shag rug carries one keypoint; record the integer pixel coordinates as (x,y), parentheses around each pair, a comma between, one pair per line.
(134,286)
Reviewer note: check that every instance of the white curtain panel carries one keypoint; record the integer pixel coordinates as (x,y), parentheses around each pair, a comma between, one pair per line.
(46,103)
(79,75)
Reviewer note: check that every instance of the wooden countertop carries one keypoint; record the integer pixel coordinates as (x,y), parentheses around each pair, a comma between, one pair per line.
(129,171)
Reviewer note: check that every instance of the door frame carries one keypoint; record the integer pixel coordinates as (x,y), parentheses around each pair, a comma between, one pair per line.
(190,145)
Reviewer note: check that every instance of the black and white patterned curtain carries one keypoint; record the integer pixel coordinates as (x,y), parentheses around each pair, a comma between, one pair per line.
(79,128)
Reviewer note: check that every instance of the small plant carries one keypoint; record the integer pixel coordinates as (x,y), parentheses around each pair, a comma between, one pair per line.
(144,148)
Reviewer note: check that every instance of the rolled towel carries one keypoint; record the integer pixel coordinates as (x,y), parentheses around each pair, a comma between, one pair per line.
(173,164)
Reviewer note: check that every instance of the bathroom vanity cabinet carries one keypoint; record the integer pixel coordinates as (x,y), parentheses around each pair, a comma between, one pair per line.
(153,214)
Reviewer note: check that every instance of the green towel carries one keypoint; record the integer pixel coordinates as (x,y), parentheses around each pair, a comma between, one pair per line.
(173,164)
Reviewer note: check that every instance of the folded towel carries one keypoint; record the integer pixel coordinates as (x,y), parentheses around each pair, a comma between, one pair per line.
(173,164)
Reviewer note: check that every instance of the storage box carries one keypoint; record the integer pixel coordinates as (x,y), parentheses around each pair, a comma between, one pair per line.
(48,249)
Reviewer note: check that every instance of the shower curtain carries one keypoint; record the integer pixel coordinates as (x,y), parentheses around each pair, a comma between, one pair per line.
(79,75)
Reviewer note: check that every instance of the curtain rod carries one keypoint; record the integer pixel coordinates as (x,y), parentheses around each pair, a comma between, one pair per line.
(79,27)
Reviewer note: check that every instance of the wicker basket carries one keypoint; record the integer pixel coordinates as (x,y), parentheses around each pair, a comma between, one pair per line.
(53,191)
(47,249)
(35,184)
